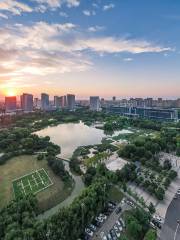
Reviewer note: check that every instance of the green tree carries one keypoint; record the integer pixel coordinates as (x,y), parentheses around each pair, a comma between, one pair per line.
(151,235)
(151,208)
(134,229)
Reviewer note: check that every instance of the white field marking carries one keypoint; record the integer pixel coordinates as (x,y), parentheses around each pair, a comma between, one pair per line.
(51,182)
(41,178)
(34,179)
(29,185)
(23,186)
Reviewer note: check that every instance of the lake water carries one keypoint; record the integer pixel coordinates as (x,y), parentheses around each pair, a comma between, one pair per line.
(69,136)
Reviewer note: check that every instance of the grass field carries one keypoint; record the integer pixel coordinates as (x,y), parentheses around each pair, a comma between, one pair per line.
(31,183)
(20,166)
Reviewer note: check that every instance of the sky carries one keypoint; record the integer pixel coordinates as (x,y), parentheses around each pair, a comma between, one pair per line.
(123,48)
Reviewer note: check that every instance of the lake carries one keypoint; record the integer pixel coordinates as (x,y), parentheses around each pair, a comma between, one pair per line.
(69,136)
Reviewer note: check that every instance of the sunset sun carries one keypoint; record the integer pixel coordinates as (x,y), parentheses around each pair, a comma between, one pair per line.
(10,92)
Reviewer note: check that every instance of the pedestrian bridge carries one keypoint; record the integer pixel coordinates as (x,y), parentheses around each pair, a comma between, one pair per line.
(63,159)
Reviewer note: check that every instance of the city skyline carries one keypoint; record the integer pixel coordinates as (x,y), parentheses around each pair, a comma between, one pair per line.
(88,48)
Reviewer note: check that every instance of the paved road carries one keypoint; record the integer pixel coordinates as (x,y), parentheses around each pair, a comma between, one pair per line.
(170,224)
(109,223)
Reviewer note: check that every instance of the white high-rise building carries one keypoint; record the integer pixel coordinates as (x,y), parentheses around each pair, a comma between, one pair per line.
(94,103)
(27,102)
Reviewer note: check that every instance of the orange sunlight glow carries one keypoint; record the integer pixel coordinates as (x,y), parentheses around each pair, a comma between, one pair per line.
(10,92)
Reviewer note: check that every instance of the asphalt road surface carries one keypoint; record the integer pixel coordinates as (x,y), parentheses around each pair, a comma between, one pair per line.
(109,223)
(170,225)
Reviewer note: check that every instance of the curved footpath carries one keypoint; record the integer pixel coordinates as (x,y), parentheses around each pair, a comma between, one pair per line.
(79,186)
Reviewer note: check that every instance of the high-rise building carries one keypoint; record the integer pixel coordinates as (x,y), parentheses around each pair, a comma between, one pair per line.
(64,101)
(37,103)
(148,102)
(44,101)
(114,98)
(71,101)
(27,102)
(10,104)
(57,101)
(94,103)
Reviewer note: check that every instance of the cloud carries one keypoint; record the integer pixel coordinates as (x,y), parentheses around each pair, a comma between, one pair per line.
(3,16)
(96,28)
(128,59)
(14,7)
(41,8)
(72,3)
(118,45)
(89,13)
(63,14)
(58,3)
(95,5)
(36,51)
(45,50)
(108,7)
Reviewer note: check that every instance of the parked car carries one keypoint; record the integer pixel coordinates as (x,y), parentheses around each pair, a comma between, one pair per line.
(113,203)
(89,232)
(117,231)
(99,219)
(119,225)
(158,218)
(178,192)
(96,223)
(113,234)
(130,203)
(118,210)
(156,223)
(103,216)
(122,222)
(92,227)
(109,236)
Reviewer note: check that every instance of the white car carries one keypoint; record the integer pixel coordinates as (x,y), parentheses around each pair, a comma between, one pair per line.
(122,222)
(116,229)
(178,192)
(89,232)
(99,219)
(118,224)
(103,216)
(158,218)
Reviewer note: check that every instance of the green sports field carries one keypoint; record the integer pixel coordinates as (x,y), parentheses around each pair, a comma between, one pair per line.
(31,183)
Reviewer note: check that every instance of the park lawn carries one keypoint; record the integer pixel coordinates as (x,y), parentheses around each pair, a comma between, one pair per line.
(21,165)
(115,194)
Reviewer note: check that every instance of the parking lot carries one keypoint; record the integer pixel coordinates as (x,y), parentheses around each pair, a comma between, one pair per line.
(112,224)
